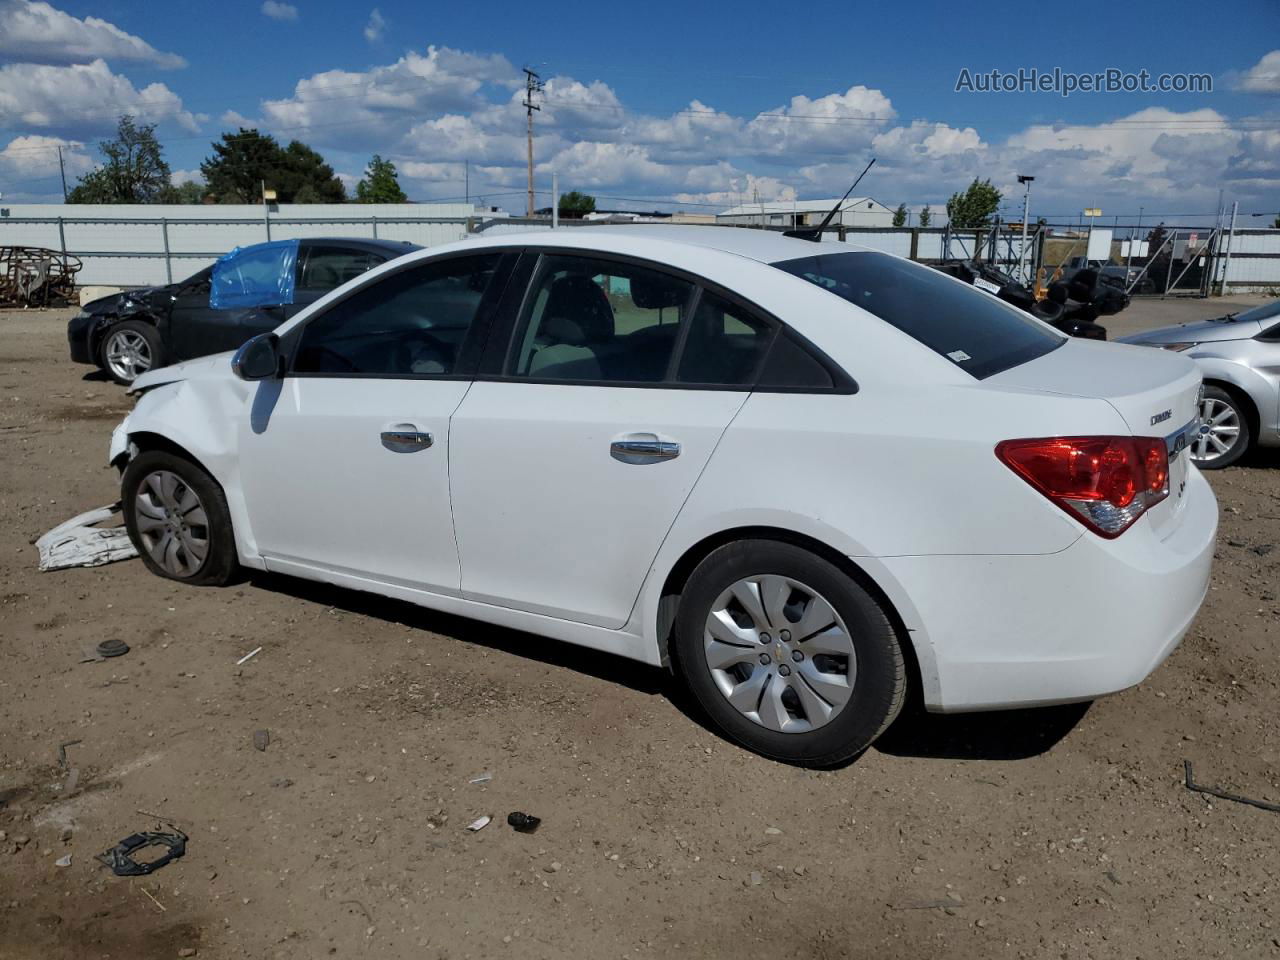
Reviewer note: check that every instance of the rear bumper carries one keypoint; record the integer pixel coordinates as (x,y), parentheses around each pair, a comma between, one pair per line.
(1013,631)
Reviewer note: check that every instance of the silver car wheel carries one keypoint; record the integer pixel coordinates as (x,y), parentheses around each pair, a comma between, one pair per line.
(1219,430)
(780,654)
(128,354)
(172,523)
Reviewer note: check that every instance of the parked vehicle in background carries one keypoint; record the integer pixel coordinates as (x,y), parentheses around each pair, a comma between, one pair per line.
(129,333)
(1239,357)
(807,476)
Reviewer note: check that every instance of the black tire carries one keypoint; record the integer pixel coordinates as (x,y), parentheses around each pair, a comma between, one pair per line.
(879,685)
(148,332)
(1243,439)
(219,565)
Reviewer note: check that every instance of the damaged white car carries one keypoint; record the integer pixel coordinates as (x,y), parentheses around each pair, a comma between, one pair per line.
(807,476)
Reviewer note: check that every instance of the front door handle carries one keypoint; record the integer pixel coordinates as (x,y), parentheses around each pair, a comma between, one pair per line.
(643,451)
(406,441)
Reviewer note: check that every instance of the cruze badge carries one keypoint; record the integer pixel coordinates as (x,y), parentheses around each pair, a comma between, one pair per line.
(1161,417)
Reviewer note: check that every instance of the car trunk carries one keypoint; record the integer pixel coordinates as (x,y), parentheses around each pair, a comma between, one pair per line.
(1155,392)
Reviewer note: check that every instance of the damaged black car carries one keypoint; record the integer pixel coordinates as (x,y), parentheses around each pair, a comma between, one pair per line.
(249,291)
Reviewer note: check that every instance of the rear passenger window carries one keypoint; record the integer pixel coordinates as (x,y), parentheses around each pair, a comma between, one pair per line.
(410,323)
(791,366)
(724,344)
(600,320)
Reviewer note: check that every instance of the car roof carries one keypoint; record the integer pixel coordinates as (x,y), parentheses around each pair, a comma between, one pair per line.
(765,246)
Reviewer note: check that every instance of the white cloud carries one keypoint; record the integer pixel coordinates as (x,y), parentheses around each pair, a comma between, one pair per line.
(230,118)
(179,177)
(87,98)
(279,11)
(35,32)
(35,155)
(380,102)
(1263,76)
(376,27)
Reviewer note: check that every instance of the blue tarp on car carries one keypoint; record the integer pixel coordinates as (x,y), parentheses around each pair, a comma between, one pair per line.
(261,275)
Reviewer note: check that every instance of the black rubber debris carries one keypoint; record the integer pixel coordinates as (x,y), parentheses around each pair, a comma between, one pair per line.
(112,648)
(523,822)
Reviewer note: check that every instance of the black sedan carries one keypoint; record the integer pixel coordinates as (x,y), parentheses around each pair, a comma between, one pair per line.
(255,289)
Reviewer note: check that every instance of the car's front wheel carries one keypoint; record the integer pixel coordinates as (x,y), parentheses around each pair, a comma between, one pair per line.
(787,654)
(130,349)
(1224,435)
(178,519)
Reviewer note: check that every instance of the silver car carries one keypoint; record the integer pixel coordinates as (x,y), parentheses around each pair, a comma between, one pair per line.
(1239,355)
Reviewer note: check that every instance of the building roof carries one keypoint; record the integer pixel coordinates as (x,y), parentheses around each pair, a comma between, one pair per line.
(796,206)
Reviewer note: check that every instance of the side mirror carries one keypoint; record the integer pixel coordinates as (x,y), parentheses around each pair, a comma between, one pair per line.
(258,358)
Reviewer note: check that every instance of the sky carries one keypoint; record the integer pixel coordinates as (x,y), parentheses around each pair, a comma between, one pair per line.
(662,105)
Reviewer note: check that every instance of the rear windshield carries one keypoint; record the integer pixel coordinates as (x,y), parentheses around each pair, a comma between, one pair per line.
(975,331)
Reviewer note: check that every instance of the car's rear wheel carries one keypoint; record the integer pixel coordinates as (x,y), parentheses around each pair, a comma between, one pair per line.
(1224,434)
(787,654)
(178,519)
(130,349)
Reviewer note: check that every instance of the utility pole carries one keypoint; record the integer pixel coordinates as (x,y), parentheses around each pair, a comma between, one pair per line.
(532,85)
(466,179)
(1026,213)
(63,170)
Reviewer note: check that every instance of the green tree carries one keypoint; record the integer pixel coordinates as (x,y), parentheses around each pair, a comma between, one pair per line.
(926,215)
(973,207)
(304,177)
(900,216)
(133,169)
(380,183)
(1276,224)
(186,192)
(240,164)
(247,160)
(574,205)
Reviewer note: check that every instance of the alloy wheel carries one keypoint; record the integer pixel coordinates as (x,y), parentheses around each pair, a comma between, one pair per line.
(1219,430)
(172,523)
(128,354)
(780,653)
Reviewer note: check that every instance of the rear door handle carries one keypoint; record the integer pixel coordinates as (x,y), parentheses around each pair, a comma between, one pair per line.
(405,439)
(646,450)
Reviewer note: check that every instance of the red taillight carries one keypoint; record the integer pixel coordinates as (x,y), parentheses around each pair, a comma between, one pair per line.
(1105,482)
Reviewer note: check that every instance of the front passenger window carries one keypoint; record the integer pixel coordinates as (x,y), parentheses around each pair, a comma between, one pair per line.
(409,323)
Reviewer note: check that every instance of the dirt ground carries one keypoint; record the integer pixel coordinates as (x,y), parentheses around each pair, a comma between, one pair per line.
(1062,832)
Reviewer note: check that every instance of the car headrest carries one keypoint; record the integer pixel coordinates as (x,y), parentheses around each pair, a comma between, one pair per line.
(577,312)
(652,291)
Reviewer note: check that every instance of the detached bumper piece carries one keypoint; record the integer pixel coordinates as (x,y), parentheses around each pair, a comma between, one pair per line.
(119,858)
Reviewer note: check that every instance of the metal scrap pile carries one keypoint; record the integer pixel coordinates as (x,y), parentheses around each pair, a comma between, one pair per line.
(36,277)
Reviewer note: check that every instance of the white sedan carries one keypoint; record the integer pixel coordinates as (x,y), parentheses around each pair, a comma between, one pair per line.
(810,478)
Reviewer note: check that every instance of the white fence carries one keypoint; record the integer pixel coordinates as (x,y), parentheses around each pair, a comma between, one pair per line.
(126,245)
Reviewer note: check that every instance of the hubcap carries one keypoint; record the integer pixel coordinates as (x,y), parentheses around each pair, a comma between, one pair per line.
(780,654)
(172,523)
(1219,429)
(128,354)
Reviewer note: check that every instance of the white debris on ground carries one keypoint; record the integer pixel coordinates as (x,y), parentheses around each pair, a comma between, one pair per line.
(80,542)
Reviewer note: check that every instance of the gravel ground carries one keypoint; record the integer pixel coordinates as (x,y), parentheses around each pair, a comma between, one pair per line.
(1044,833)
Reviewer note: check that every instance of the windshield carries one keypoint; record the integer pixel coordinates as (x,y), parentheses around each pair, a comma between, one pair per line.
(977,332)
